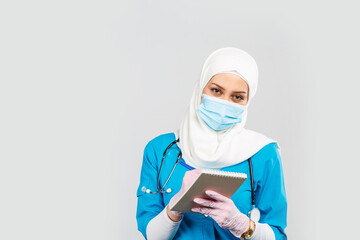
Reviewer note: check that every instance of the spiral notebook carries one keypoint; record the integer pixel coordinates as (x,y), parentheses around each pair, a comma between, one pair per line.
(223,182)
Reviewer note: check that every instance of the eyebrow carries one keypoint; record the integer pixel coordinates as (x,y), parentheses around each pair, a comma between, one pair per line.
(224,89)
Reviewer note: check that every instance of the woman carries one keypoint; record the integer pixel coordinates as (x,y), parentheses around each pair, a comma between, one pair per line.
(212,135)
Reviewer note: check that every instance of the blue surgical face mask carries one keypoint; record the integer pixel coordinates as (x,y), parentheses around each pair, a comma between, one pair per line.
(219,114)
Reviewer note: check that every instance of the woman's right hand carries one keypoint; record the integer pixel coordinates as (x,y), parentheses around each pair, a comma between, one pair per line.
(188,179)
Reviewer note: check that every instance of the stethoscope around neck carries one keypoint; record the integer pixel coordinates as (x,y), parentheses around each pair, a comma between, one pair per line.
(254,213)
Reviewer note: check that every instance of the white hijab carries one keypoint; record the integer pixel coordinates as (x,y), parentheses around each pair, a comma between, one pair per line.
(203,147)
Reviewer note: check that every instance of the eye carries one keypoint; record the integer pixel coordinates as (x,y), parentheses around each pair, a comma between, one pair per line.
(238,98)
(215,91)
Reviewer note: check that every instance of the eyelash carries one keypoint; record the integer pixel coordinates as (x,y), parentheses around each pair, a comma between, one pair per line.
(236,97)
(240,98)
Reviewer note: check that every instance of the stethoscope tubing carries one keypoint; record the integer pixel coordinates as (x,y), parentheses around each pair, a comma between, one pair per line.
(252,183)
(160,189)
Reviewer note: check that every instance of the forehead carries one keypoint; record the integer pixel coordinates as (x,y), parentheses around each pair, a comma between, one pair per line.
(229,80)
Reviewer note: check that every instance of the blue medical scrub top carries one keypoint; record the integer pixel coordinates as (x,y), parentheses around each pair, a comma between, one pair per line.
(270,197)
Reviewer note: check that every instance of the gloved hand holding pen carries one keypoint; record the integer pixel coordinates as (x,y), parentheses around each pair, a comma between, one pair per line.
(224,212)
(188,179)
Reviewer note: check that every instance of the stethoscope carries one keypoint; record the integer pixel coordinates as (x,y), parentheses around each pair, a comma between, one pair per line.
(254,213)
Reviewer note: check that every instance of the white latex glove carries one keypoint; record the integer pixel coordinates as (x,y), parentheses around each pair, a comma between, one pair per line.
(224,212)
(188,179)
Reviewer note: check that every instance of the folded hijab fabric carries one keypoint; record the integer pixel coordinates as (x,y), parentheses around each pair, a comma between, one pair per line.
(203,147)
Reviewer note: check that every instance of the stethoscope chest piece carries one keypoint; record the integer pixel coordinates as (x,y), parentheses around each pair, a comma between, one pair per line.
(254,214)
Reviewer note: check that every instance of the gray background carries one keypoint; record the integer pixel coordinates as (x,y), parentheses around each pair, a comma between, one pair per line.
(86,84)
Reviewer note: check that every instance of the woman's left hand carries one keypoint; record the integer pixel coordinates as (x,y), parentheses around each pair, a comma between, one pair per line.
(224,212)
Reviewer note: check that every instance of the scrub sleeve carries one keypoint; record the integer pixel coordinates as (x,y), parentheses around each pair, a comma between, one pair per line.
(270,195)
(149,205)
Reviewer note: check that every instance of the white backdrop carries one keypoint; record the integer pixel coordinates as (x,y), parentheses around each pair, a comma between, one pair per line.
(86,84)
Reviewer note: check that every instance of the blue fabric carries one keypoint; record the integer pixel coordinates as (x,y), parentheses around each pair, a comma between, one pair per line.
(268,181)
